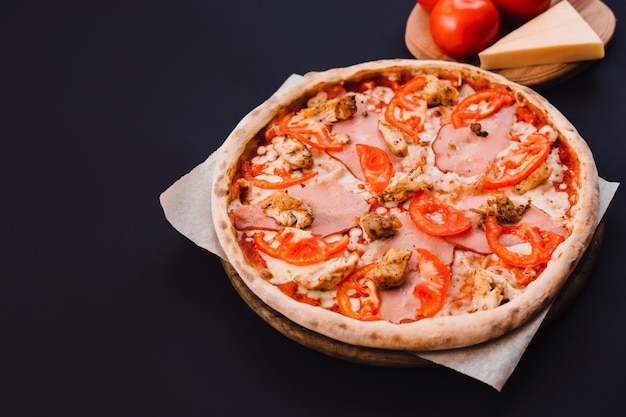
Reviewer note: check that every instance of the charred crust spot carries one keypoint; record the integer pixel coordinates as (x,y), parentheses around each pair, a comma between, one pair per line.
(221,192)
(374,336)
(506,324)
(222,225)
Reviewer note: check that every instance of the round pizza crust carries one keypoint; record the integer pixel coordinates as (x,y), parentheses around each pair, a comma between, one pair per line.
(401,358)
(427,334)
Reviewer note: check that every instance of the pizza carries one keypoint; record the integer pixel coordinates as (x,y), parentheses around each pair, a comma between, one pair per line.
(405,204)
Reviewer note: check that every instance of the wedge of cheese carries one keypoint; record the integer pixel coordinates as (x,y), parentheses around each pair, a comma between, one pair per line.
(558,35)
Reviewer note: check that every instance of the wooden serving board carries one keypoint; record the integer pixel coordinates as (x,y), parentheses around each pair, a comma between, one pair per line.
(393,358)
(596,13)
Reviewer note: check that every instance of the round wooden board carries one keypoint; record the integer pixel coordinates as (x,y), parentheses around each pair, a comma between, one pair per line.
(392,358)
(597,14)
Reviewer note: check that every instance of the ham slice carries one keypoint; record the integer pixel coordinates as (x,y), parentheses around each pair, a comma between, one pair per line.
(250,216)
(473,239)
(399,303)
(340,206)
(361,129)
(542,220)
(467,154)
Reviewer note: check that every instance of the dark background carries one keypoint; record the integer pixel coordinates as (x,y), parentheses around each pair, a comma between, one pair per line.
(106,310)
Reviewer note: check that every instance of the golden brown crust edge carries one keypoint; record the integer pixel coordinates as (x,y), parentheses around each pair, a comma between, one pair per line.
(428,334)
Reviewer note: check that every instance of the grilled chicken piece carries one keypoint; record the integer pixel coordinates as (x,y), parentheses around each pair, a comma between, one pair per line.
(389,272)
(293,151)
(403,186)
(535,179)
(394,138)
(490,290)
(504,209)
(326,275)
(439,92)
(377,226)
(331,111)
(287,211)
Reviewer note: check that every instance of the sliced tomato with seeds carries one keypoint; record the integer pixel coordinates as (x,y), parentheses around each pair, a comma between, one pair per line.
(249,172)
(542,242)
(375,165)
(479,105)
(357,296)
(407,109)
(299,247)
(434,283)
(520,162)
(312,132)
(436,218)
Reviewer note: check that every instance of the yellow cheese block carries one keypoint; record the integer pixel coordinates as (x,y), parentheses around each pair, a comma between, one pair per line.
(558,35)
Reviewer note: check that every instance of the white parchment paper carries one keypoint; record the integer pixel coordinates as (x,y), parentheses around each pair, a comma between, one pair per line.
(187,206)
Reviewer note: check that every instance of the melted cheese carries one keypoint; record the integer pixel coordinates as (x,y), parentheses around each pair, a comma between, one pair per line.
(558,35)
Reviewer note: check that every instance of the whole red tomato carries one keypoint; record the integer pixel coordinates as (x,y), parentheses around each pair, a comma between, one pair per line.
(427,4)
(462,28)
(516,12)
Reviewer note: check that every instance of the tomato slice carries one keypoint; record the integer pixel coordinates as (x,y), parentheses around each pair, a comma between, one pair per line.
(359,287)
(291,289)
(519,163)
(250,171)
(436,218)
(376,166)
(543,243)
(433,285)
(480,105)
(407,109)
(312,132)
(300,247)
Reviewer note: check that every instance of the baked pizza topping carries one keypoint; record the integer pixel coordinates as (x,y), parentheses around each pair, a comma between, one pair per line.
(287,211)
(405,196)
(376,226)
(390,271)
